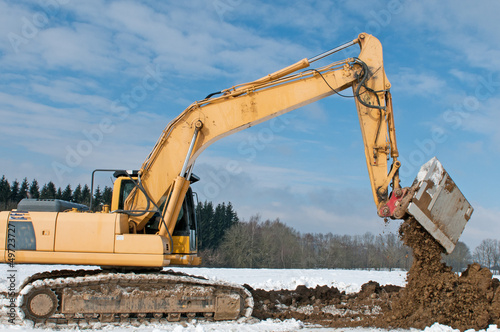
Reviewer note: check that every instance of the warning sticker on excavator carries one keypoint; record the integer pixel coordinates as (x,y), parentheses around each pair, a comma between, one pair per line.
(19,216)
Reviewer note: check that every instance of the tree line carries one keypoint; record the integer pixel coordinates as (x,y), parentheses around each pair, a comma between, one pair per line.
(273,244)
(12,193)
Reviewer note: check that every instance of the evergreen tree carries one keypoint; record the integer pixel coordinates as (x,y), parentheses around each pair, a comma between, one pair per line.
(77,194)
(66,194)
(51,190)
(4,192)
(205,212)
(97,200)
(34,189)
(48,191)
(23,191)
(59,193)
(44,192)
(213,223)
(14,192)
(218,225)
(230,216)
(85,195)
(107,195)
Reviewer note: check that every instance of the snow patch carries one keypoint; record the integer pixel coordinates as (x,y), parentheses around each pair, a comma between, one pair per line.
(433,166)
(307,309)
(436,327)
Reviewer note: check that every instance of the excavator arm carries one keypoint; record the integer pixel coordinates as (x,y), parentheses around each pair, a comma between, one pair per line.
(163,178)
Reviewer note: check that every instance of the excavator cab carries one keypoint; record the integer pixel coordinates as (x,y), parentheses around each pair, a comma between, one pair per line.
(184,237)
(122,187)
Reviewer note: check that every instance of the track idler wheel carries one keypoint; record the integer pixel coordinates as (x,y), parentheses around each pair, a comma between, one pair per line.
(40,305)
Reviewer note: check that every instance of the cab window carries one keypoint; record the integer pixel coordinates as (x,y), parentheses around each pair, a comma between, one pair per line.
(126,188)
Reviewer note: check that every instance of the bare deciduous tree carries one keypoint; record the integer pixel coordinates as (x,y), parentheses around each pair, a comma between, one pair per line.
(487,253)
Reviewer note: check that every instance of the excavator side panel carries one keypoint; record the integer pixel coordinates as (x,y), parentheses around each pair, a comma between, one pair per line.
(82,232)
(77,238)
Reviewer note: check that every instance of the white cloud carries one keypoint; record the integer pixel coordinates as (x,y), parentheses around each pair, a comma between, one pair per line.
(484,120)
(81,47)
(63,91)
(467,28)
(464,76)
(409,81)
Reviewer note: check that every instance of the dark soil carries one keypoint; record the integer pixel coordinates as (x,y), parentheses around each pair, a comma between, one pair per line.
(433,294)
(325,305)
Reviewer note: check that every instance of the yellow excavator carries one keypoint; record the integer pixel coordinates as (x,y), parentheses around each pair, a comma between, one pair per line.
(151,222)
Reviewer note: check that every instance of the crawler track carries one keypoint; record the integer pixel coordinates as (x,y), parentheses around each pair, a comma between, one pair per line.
(85,297)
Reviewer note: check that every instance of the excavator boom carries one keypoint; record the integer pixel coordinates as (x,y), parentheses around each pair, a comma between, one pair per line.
(246,105)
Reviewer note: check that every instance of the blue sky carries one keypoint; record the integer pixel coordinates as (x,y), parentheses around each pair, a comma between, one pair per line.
(91,84)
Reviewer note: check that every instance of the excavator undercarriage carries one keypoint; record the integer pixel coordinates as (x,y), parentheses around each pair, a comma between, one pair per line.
(87,296)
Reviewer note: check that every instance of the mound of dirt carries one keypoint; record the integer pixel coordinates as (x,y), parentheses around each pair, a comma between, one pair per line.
(433,294)
(325,305)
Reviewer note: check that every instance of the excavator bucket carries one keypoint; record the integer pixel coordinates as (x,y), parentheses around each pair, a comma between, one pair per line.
(438,205)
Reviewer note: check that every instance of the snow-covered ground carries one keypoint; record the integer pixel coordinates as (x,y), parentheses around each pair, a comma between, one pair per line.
(349,281)
(268,279)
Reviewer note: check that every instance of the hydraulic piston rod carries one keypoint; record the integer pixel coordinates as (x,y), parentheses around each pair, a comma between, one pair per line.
(197,128)
(179,189)
(333,50)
